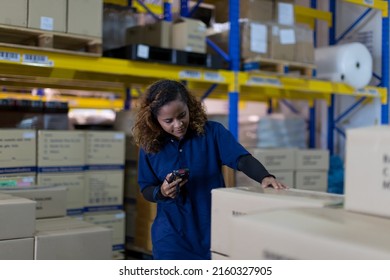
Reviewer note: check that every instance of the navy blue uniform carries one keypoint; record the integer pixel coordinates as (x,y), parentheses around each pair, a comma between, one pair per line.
(181,229)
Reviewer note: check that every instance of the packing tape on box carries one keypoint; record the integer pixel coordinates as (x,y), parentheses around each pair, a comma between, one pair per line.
(349,63)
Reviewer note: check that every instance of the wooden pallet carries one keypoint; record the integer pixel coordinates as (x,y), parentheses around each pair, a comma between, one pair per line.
(279,67)
(47,40)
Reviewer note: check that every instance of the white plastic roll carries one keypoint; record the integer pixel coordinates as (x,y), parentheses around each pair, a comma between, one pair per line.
(349,63)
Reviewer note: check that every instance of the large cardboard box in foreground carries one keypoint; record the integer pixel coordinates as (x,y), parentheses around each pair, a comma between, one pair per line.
(68,238)
(310,234)
(47,15)
(367,171)
(230,202)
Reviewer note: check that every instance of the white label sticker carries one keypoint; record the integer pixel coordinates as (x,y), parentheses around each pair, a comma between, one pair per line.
(10,56)
(213,76)
(143,51)
(29,135)
(37,59)
(190,74)
(263,81)
(369,2)
(285,13)
(119,136)
(47,23)
(287,36)
(259,40)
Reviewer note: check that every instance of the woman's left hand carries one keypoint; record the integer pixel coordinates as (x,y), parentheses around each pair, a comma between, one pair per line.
(272,182)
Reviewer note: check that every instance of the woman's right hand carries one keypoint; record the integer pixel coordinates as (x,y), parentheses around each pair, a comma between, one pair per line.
(171,189)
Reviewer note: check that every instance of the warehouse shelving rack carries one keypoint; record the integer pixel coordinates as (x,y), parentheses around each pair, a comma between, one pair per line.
(92,72)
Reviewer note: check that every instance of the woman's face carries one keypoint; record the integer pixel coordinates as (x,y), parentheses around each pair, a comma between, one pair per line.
(174,118)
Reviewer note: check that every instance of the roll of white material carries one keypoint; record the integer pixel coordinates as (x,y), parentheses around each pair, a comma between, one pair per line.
(349,63)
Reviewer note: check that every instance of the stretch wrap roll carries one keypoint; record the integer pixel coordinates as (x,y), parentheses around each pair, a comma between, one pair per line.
(349,63)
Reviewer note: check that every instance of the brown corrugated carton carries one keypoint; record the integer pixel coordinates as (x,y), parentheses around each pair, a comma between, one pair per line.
(189,35)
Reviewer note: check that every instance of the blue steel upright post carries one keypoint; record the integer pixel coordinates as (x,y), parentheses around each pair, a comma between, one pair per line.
(234,53)
(332,40)
(312,111)
(385,64)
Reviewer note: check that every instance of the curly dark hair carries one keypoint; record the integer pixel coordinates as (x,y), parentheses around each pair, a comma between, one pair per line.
(147,132)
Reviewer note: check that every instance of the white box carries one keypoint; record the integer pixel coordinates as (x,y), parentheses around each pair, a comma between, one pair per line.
(229,202)
(17,151)
(61,151)
(50,201)
(17,217)
(311,180)
(71,239)
(310,234)
(275,159)
(17,249)
(286,177)
(74,184)
(367,174)
(114,220)
(312,159)
(103,190)
(105,148)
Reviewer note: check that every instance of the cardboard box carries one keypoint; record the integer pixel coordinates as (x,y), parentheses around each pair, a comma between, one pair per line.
(103,190)
(114,220)
(310,234)
(275,159)
(189,35)
(47,15)
(17,217)
(13,13)
(18,151)
(304,47)
(50,201)
(312,159)
(367,170)
(17,249)
(71,239)
(230,202)
(61,151)
(286,177)
(74,183)
(311,180)
(104,150)
(158,34)
(85,17)
(283,41)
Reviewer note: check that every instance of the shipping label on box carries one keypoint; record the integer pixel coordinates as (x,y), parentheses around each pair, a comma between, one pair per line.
(367,171)
(114,220)
(16,180)
(74,184)
(311,180)
(17,151)
(104,190)
(312,159)
(275,159)
(105,150)
(61,151)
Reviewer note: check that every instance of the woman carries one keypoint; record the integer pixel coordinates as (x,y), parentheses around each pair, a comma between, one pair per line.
(173,133)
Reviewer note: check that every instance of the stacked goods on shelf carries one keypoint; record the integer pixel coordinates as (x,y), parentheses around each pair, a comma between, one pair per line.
(104,180)
(61,162)
(305,169)
(146,212)
(270,38)
(18,157)
(17,217)
(55,24)
(228,203)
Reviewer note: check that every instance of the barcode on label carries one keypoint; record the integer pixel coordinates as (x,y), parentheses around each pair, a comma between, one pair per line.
(10,56)
(36,59)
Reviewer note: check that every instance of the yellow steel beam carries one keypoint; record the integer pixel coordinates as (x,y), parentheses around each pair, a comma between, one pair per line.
(308,15)
(116,2)
(375,4)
